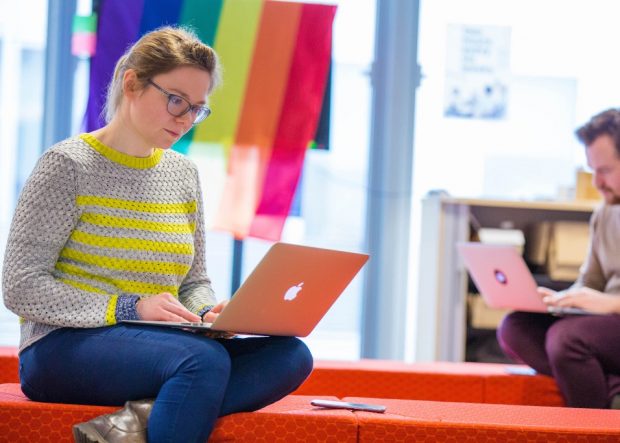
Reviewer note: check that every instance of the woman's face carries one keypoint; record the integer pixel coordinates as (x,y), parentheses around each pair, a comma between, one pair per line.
(148,108)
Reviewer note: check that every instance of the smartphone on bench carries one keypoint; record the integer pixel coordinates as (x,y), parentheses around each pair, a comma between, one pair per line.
(334,404)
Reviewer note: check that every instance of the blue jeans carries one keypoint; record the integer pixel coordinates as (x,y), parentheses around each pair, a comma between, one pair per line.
(194,379)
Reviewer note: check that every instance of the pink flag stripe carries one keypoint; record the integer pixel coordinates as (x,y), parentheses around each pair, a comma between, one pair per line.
(298,119)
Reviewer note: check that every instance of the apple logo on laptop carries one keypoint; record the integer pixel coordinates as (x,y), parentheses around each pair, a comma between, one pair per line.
(292,292)
(501,277)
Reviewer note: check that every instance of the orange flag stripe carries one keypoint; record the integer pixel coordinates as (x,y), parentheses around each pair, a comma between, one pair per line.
(269,73)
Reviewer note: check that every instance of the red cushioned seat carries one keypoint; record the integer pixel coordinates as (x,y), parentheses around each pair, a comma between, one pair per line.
(22,420)
(446,421)
(438,381)
(9,365)
(292,419)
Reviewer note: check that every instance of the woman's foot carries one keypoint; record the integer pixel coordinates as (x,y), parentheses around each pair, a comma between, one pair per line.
(127,425)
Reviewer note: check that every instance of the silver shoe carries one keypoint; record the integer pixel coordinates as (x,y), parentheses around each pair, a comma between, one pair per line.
(125,426)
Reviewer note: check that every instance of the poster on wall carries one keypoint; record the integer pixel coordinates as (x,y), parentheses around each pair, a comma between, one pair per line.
(477,71)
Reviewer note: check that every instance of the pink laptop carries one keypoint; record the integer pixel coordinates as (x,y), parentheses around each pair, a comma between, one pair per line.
(503,278)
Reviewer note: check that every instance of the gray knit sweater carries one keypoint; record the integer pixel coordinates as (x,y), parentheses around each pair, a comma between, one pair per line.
(95,229)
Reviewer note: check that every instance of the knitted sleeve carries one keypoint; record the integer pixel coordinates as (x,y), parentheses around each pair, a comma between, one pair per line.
(196,292)
(45,216)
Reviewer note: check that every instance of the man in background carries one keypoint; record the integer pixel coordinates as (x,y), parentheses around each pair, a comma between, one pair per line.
(582,352)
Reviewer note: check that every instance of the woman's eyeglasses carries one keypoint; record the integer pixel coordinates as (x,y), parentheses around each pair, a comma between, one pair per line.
(179,106)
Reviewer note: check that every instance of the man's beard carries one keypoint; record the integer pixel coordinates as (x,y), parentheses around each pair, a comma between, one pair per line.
(611,198)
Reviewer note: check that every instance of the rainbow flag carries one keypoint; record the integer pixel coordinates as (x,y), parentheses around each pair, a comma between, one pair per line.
(276,57)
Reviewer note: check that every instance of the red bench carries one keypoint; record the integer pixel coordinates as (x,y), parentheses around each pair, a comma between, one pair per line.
(438,381)
(433,401)
(9,365)
(292,419)
(430,421)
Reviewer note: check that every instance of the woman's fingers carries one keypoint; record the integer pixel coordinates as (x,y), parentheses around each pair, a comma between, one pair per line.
(178,310)
(210,316)
(219,307)
(164,307)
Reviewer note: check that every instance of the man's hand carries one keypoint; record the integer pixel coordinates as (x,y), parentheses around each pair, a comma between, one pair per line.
(584,298)
(164,307)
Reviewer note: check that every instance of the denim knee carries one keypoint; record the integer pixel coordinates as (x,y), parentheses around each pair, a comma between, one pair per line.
(207,361)
(304,357)
(301,357)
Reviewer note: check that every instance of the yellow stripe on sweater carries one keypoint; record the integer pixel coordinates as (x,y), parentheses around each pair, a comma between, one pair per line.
(124,264)
(110,312)
(131,243)
(130,286)
(83,286)
(131,205)
(121,158)
(132,223)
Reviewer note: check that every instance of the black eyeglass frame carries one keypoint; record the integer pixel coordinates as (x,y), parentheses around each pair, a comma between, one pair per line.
(195,109)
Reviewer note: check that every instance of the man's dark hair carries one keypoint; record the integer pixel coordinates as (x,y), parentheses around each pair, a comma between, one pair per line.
(604,123)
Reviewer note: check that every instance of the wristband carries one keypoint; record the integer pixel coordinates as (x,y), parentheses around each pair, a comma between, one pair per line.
(126,308)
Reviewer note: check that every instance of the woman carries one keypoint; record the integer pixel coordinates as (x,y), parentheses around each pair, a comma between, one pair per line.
(109,227)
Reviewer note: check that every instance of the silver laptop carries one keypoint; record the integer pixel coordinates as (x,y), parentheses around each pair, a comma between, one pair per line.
(288,292)
(504,280)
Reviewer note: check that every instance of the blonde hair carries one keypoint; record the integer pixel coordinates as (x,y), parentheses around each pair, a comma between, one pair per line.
(158,52)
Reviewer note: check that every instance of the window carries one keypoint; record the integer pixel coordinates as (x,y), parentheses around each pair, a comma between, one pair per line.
(22,58)
(332,193)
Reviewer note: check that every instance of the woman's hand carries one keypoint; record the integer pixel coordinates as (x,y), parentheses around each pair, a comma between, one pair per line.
(164,307)
(584,298)
(210,316)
